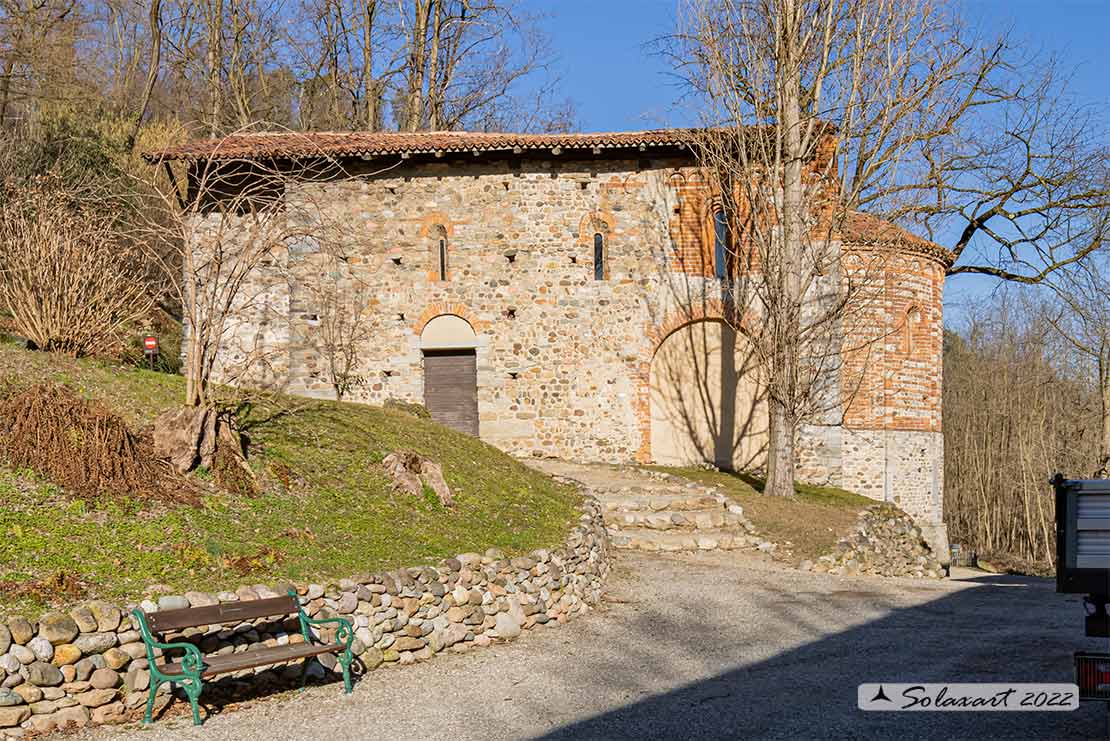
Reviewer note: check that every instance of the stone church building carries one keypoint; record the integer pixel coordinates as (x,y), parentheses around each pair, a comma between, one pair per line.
(560,296)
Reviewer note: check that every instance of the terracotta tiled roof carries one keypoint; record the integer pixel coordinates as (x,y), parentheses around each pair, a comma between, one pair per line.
(355,143)
(868,230)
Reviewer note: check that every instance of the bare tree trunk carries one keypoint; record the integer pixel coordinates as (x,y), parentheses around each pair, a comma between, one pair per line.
(414,113)
(781,463)
(436,15)
(369,85)
(1104,412)
(152,73)
(215,63)
(5,92)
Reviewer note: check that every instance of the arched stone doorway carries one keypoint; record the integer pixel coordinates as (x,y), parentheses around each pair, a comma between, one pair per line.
(706,403)
(449,347)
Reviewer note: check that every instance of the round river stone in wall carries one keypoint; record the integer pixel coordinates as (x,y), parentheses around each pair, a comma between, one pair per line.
(57,628)
(42,648)
(44,675)
(21,629)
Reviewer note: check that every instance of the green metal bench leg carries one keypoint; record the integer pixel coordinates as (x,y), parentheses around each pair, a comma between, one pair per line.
(193,690)
(345,660)
(148,716)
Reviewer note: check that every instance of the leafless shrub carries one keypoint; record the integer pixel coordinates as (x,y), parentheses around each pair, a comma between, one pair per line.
(67,281)
(81,446)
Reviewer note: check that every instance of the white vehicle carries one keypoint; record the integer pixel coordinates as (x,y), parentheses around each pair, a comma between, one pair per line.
(1083,567)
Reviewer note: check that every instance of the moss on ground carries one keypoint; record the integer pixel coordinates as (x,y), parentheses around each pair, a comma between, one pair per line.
(327,509)
(811,521)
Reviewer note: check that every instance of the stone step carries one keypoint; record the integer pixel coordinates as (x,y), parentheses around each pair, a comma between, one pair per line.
(672,541)
(691,519)
(611,502)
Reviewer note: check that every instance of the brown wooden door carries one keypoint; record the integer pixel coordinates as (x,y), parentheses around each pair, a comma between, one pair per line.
(451,388)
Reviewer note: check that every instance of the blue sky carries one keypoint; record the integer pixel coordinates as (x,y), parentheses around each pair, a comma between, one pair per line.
(617,83)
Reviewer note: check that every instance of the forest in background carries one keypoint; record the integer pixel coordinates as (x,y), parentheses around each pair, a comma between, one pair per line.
(214,66)
(1020,404)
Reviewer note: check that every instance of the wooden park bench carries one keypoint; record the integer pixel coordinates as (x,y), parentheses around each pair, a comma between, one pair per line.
(192,668)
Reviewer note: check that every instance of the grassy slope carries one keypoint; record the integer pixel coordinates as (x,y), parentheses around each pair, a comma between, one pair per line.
(811,522)
(329,513)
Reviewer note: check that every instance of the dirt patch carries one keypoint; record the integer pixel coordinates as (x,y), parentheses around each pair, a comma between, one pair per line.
(80,445)
(59,587)
(810,529)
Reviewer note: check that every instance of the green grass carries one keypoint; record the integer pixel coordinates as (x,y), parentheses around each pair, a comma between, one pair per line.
(810,522)
(328,511)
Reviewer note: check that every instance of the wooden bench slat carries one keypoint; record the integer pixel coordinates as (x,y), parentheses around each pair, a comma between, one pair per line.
(249,659)
(225,613)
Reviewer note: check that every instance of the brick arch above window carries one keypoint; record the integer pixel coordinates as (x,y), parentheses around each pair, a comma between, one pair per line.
(594,222)
(436,220)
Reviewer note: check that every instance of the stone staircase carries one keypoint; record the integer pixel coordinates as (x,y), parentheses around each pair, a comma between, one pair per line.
(654,511)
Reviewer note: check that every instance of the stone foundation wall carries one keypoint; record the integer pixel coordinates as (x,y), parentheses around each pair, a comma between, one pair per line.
(903,467)
(89,664)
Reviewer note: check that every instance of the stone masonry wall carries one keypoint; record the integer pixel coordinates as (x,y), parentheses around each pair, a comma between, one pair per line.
(563,360)
(89,664)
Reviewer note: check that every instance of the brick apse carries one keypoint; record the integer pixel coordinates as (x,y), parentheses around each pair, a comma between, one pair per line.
(559,296)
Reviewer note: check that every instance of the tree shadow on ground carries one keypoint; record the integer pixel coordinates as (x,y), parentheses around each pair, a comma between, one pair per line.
(1007,629)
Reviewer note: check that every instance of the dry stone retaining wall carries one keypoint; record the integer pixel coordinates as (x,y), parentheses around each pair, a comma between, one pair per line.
(884,542)
(89,664)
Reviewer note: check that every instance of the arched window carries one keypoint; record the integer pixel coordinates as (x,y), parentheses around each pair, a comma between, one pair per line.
(720,244)
(599,256)
(439,252)
(913,316)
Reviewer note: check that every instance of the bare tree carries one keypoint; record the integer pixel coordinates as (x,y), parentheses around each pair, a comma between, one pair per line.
(37,52)
(340,303)
(816,108)
(790,90)
(155,27)
(1081,320)
(232,221)
(464,62)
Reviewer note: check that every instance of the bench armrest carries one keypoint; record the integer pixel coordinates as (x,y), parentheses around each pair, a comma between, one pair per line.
(344,633)
(192,663)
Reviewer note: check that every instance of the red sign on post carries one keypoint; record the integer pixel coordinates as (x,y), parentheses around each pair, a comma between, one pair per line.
(150,349)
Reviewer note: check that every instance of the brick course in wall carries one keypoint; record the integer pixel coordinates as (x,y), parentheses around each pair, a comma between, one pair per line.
(563,360)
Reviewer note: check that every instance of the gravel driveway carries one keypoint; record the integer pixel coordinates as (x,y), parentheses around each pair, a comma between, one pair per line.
(710,646)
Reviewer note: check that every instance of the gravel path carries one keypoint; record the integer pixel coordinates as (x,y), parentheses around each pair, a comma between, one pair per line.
(709,646)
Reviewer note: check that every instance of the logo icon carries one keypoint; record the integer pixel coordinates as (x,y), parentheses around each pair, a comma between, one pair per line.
(880,695)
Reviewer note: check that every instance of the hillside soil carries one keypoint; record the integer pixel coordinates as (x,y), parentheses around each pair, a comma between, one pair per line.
(325,508)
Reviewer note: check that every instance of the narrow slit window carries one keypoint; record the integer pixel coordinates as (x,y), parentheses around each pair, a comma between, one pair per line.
(442,258)
(720,244)
(599,256)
